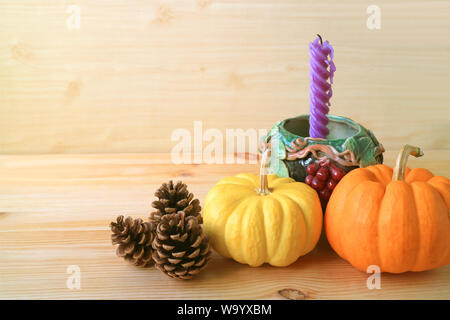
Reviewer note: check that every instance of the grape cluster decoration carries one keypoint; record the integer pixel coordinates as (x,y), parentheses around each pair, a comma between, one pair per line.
(323,177)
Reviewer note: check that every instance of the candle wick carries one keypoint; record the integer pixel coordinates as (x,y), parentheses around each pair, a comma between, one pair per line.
(320,38)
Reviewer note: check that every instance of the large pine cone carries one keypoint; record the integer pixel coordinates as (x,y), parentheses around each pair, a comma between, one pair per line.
(181,249)
(134,238)
(173,198)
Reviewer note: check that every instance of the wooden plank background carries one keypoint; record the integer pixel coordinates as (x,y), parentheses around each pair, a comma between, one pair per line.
(138,69)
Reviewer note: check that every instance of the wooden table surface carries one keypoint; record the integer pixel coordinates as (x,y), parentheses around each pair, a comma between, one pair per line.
(55,212)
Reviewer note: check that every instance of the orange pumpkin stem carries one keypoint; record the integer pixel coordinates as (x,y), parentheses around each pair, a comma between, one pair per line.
(402,158)
(263,182)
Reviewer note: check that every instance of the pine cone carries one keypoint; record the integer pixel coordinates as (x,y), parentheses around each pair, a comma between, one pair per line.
(173,198)
(134,238)
(181,249)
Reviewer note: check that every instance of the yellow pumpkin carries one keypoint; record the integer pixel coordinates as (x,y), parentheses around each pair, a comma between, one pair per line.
(257,219)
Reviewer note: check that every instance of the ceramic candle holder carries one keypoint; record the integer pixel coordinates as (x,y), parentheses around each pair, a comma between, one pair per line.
(348,145)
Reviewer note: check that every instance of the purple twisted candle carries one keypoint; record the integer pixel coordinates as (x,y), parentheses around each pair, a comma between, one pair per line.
(322,69)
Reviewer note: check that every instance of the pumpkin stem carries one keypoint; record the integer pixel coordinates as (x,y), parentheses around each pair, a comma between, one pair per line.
(263,182)
(402,158)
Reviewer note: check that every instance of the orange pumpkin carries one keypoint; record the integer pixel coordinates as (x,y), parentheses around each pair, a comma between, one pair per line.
(395,219)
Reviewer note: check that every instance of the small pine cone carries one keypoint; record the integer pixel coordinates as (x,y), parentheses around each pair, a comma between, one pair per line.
(181,248)
(173,198)
(134,238)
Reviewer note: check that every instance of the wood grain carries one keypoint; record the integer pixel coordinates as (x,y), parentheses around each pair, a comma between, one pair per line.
(137,70)
(55,211)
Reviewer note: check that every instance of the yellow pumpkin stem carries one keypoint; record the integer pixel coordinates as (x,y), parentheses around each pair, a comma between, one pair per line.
(402,158)
(263,182)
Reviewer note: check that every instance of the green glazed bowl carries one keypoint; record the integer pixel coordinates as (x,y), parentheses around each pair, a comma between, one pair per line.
(348,145)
